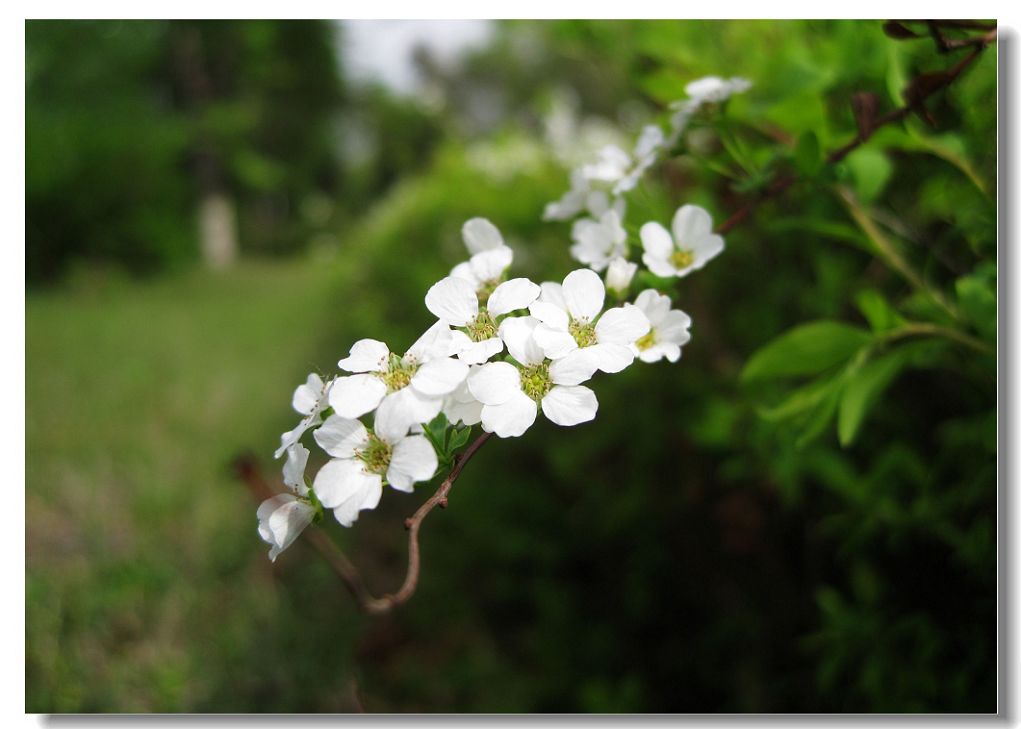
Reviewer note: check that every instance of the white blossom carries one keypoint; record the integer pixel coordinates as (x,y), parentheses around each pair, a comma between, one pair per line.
(417,381)
(490,256)
(669,332)
(647,148)
(455,303)
(692,246)
(281,519)
(588,193)
(596,242)
(511,396)
(569,316)
(713,89)
(309,399)
(363,460)
(619,274)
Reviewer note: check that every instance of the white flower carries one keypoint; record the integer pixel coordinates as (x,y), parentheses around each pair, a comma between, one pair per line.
(418,381)
(284,516)
(361,459)
(572,202)
(584,195)
(490,257)
(570,320)
(713,89)
(455,303)
(309,400)
(597,241)
(669,328)
(693,244)
(619,274)
(647,149)
(610,166)
(511,396)
(708,90)
(281,519)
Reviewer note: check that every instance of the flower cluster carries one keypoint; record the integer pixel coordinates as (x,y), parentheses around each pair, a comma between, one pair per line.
(501,349)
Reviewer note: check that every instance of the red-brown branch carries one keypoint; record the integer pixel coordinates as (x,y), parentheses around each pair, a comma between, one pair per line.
(917,93)
(248,471)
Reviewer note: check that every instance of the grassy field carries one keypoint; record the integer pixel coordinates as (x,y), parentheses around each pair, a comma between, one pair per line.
(147,588)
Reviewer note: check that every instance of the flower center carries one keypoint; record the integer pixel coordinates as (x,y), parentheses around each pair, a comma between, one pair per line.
(682,258)
(535,381)
(647,341)
(486,289)
(583,332)
(398,373)
(482,328)
(376,455)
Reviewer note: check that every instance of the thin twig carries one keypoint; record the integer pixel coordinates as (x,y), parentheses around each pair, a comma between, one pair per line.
(915,104)
(248,471)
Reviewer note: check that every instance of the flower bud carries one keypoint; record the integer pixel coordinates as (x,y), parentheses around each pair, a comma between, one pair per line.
(619,274)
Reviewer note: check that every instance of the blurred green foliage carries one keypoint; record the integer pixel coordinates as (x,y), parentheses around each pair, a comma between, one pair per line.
(798,516)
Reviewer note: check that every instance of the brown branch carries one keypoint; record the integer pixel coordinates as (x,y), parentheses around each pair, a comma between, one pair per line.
(249,473)
(917,93)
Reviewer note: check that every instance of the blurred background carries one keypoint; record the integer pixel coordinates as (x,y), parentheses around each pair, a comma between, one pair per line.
(214,209)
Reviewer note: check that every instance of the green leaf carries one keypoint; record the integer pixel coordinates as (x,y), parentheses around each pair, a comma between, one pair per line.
(877,311)
(872,170)
(800,401)
(976,295)
(458,438)
(808,155)
(863,389)
(807,349)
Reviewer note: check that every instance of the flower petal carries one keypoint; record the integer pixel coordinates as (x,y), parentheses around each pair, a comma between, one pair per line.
(341,437)
(706,249)
(674,327)
(414,459)
(494,383)
(512,417)
(659,266)
(367,355)
(403,409)
(439,377)
(555,343)
(551,315)
(622,325)
(453,301)
(656,241)
(612,357)
(570,405)
(294,468)
(464,270)
(286,523)
(490,265)
(516,333)
(480,235)
(479,352)
(353,396)
(307,396)
(584,293)
(439,340)
(654,304)
(339,480)
(553,293)
(511,295)
(265,510)
(367,497)
(690,224)
(574,368)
